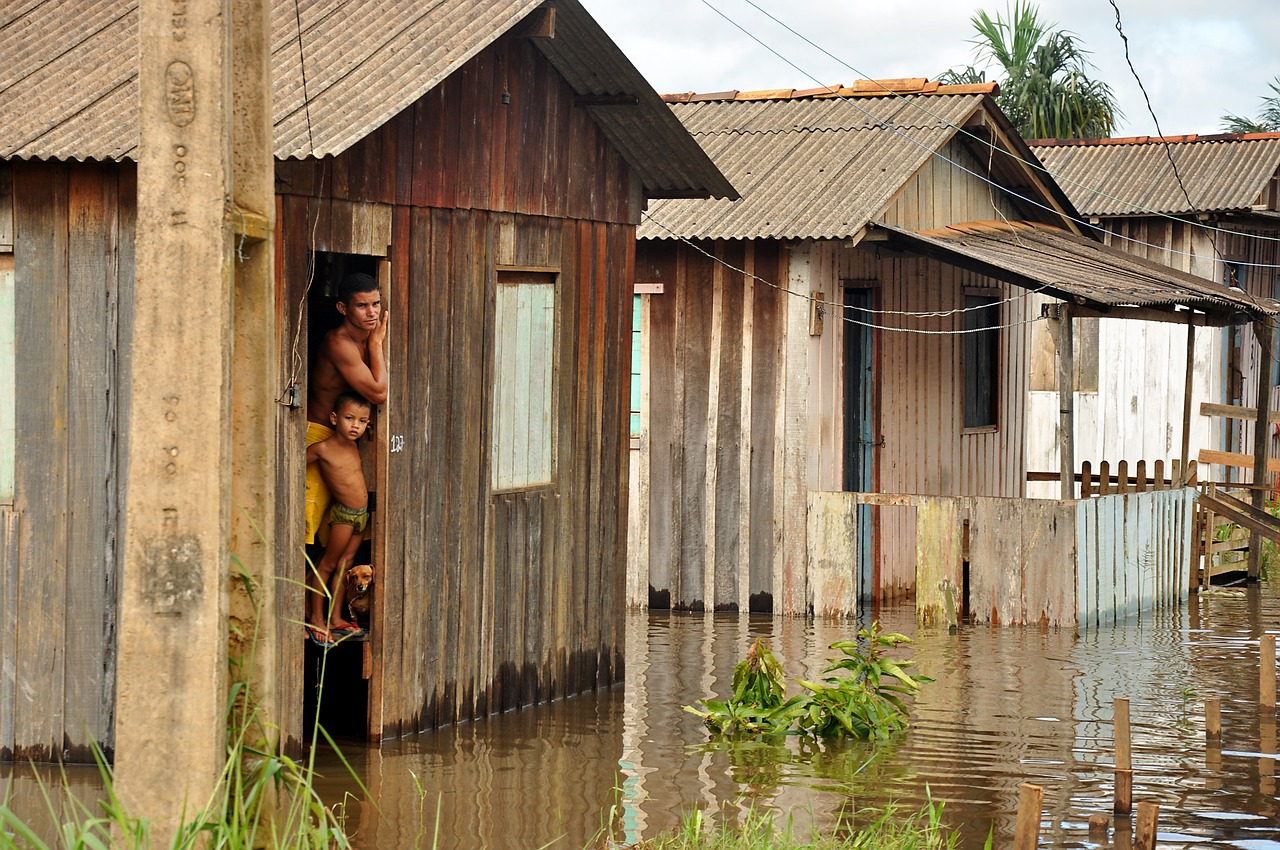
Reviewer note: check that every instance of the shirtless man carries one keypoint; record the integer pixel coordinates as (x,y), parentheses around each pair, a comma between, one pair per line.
(351,356)
(350,359)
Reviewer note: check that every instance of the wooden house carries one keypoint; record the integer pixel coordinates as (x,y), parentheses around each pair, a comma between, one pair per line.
(1208,205)
(488,160)
(835,366)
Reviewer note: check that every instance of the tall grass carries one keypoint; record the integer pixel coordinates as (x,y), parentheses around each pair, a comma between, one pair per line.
(887,829)
(262,800)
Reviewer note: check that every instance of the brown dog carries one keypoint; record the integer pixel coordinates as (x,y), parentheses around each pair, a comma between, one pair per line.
(359,581)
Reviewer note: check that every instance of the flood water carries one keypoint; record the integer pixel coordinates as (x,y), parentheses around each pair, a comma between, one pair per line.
(1008,706)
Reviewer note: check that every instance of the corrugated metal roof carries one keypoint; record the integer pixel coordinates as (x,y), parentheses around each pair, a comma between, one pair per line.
(1074,267)
(1110,177)
(68,88)
(807,167)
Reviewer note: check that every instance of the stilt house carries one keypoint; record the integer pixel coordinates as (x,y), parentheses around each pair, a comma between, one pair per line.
(488,160)
(1207,205)
(833,405)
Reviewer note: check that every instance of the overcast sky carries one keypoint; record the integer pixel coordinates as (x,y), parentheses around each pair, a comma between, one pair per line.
(1198,59)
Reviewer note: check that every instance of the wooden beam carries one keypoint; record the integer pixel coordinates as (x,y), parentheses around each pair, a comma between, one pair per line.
(1235,411)
(1238,460)
(1064,345)
(1249,520)
(1154,314)
(1263,330)
(541,23)
(1187,388)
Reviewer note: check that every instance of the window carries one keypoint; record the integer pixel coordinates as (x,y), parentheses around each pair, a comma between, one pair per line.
(524,373)
(981,361)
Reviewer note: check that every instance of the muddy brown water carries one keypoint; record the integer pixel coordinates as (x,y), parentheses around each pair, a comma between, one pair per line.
(1008,706)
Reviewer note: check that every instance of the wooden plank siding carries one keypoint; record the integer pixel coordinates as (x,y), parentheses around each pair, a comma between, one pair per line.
(491,600)
(1135,408)
(484,601)
(705,348)
(72,238)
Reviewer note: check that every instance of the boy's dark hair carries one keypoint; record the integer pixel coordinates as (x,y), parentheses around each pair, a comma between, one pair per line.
(356,282)
(351,397)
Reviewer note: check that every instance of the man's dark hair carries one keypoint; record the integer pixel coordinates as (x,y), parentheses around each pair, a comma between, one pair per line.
(351,396)
(356,282)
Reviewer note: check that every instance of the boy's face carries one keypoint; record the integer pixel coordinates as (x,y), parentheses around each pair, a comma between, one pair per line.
(350,419)
(363,309)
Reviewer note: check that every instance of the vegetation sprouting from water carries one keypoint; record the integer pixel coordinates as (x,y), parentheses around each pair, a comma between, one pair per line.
(860,695)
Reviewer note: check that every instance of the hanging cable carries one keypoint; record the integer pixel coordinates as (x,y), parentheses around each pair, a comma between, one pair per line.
(914,104)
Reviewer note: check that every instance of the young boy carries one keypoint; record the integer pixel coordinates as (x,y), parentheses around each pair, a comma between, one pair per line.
(338,458)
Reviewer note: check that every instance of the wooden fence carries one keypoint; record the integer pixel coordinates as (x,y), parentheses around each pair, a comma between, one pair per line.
(1081,563)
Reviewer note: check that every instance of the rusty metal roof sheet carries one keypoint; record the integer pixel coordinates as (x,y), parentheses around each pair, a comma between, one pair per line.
(68,86)
(1133,176)
(807,166)
(1075,268)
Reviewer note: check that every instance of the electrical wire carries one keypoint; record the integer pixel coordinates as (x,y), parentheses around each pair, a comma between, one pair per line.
(844,317)
(915,104)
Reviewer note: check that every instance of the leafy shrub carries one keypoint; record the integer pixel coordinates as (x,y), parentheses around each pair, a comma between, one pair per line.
(863,698)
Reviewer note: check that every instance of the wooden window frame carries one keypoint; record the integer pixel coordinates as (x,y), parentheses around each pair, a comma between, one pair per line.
(970,351)
(513,276)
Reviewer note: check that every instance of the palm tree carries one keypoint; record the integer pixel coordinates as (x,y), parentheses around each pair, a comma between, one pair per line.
(1268,120)
(1046,90)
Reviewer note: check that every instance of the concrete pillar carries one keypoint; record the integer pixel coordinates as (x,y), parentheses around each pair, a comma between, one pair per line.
(254,641)
(172,673)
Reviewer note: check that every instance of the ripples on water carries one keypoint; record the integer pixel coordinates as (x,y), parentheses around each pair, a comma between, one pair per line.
(1008,706)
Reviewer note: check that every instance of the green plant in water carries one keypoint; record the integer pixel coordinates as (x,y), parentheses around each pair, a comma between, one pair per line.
(862,699)
(759,703)
(865,698)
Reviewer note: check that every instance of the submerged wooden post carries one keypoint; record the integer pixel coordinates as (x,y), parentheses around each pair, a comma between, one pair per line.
(1124,759)
(1148,823)
(1267,673)
(1064,344)
(1026,835)
(1262,329)
(183,441)
(1213,719)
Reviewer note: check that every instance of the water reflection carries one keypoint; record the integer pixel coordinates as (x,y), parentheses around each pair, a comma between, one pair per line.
(1008,706)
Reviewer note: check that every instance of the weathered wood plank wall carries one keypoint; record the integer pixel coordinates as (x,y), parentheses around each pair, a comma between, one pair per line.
(491,600)
(1136,408)
(704,348)
(736,379)
(73,272)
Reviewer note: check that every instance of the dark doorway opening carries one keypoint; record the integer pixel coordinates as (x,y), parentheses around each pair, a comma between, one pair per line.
(336,687)
(860,425)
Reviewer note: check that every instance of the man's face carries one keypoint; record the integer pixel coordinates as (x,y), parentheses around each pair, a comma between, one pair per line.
(363,310)
(350,419)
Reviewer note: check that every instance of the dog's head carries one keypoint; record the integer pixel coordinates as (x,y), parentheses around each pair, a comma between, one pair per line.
(359,578)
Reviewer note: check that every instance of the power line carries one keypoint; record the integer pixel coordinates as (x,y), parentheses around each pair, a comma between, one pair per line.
(844,317)
(914,104)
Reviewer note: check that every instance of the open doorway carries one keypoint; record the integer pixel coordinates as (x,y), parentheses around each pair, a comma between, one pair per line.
(861,422)
(336,690)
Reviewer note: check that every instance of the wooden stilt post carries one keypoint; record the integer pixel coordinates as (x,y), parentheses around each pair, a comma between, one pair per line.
(184,442)
(1124,759)
(1026,835)
(1213,720)
(1063,340)
(1187,388)
(1267,673)
(1263,330)
(1148,822)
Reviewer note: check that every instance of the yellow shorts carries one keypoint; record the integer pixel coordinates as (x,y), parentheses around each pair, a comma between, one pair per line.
(318,497)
